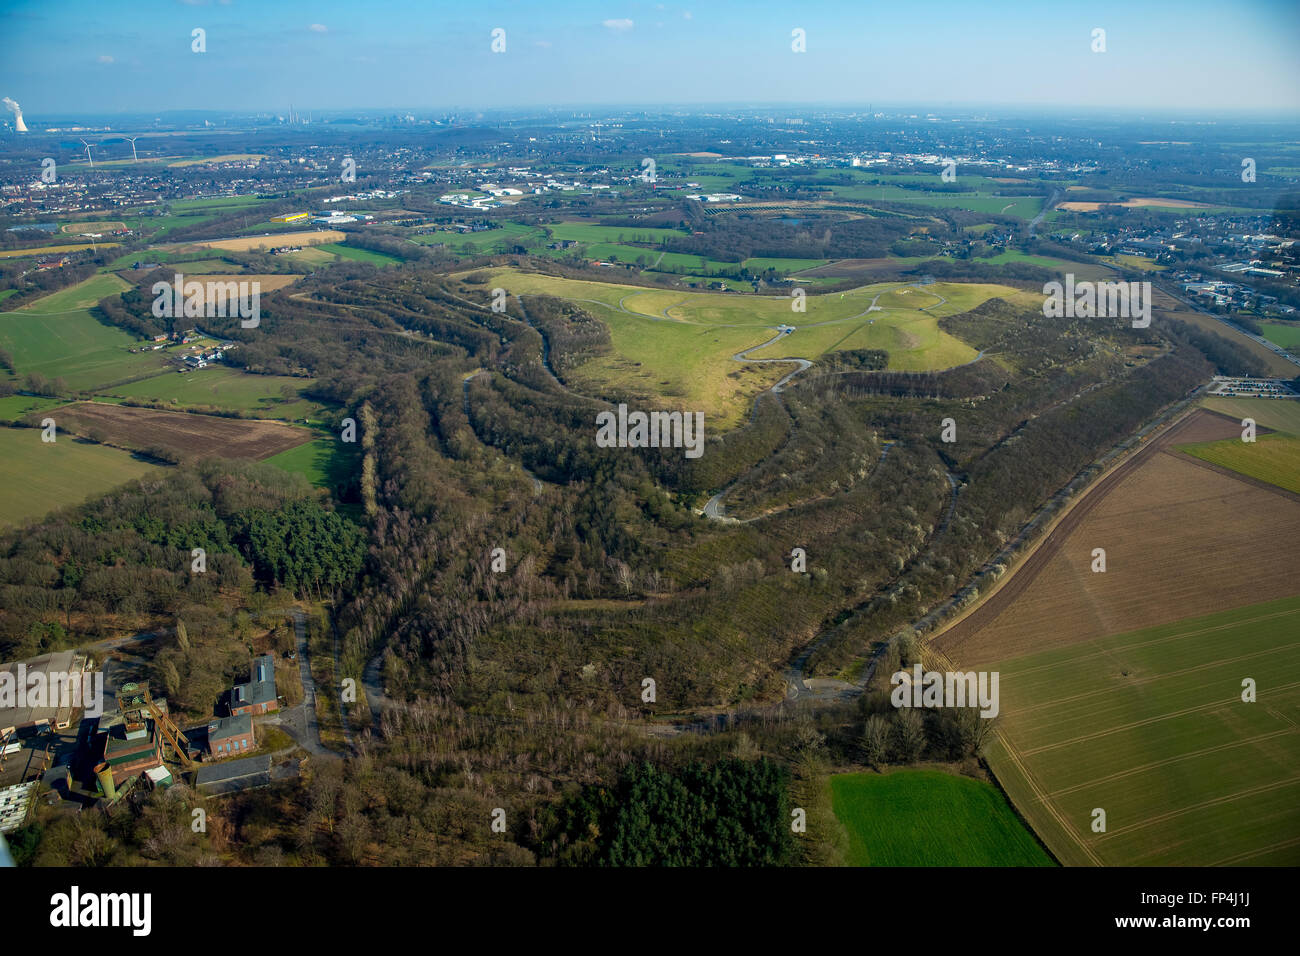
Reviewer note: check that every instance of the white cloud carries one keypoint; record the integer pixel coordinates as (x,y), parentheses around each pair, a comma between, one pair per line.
(619,26)
(687,15)
(105,58)
(319,28)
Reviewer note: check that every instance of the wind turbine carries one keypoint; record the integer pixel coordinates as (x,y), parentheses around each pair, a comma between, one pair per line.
(90,158)
(131,140)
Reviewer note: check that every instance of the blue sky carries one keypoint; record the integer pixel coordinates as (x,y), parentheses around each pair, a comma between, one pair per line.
(94,56)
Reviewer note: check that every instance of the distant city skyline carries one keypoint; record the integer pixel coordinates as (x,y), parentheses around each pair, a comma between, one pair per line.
(83,57)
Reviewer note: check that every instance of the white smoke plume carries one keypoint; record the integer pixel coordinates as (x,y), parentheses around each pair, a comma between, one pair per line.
(19,125)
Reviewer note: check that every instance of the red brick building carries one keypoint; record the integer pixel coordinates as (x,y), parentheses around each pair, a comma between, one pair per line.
(258,695)
(231,736)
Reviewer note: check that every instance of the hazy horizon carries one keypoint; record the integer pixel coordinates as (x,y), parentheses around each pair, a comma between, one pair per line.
(82,58)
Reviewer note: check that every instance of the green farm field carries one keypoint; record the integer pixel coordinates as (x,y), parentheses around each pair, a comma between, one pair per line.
(490,240)
(783,266)
(1150,727)
(1271,458)
(930,818)
(40,477)
(359,255)
(58,337)
(325,462)
(1285,334)
(223,203)
(225,388)
(1082,270)
(1022,207)
(83,295)
(594,232)
(176,262)
(16,407)
(1282,416)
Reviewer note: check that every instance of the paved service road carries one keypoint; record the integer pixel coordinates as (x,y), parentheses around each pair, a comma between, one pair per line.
(300,722)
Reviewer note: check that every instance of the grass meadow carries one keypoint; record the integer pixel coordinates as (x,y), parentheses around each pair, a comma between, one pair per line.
(40,477)
(930,818)
(680,345)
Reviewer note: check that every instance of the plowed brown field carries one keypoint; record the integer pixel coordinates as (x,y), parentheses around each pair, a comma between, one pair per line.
(192,436)
(1181,540)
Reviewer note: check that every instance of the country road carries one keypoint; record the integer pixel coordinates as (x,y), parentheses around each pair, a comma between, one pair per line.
(1273,347)
(1047,207)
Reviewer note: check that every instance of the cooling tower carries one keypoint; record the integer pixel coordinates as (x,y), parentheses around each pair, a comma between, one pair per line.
(19,125)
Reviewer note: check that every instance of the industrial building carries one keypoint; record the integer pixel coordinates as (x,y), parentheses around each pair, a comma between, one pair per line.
(231,735)
(15,804)
(258,695)
(128,746)
(233,775)
(61,677)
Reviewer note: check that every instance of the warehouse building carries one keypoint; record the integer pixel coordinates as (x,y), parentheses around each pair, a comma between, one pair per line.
(62,681)
(234,775)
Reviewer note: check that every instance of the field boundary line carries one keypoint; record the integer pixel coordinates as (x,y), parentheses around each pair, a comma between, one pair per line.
(1147,720)
(1229,473)
(1041,796)
(1100,712)
(1168,760)
(1281,716)
(1241,857)
(1163,817)
(1158,640)
(1046,544)
(1157,677)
